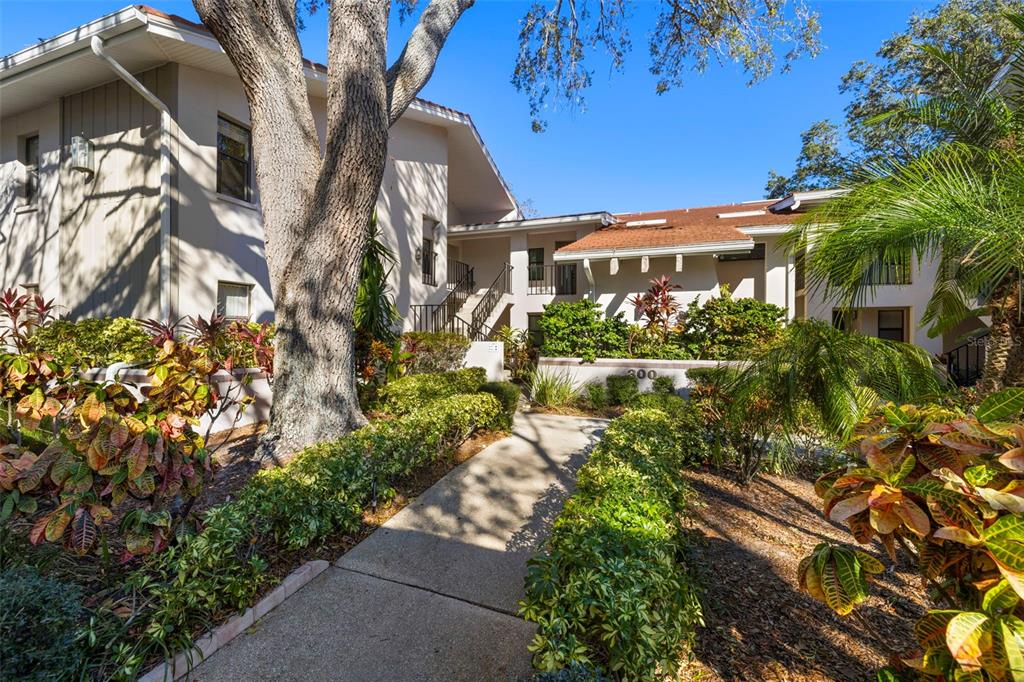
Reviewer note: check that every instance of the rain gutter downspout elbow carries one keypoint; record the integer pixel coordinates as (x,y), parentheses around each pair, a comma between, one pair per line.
(165,172)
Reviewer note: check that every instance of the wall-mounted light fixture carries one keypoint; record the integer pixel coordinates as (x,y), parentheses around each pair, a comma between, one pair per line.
(81,154)
(419,254)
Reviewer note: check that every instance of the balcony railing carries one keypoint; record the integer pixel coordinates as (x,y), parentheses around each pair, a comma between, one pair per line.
(558,279)
(885,274)
(489,301)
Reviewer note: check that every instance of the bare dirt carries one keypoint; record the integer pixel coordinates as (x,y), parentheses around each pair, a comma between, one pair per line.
(758,625)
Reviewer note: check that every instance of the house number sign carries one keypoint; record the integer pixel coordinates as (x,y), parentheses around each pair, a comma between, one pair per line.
(643,373)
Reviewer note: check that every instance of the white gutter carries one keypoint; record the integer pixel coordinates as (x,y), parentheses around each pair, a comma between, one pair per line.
(693,250)
(165,173)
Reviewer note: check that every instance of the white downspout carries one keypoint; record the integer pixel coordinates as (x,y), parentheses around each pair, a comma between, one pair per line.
(165,173)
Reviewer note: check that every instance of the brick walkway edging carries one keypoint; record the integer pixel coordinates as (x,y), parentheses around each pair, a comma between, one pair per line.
(214,640)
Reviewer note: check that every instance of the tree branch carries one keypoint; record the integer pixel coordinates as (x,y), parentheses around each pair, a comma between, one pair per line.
(414,66)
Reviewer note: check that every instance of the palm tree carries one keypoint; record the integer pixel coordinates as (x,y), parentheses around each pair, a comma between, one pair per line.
(961,203)
(816,375)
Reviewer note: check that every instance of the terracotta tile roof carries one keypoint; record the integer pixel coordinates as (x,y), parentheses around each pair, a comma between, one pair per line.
(682,227)
(178,19)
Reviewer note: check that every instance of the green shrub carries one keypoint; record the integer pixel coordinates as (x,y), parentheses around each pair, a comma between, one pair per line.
(508,395)
(576,672)
(611,590)
(39,621)
(434,352)
(419,390)
(94,342)
(622,389)
(696,436)
(579,329)
(596,395)
(665,385)
(553,389)
(727,328)
(323,490)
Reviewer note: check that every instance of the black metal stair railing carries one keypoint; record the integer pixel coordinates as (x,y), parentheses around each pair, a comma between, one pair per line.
(443,316)
(501,285)
(966,362)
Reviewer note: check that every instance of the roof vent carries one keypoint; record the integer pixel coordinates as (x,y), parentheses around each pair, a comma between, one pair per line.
(741,214)
(646,223)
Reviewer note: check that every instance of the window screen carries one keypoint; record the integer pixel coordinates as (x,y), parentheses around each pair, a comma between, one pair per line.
(233,300)
(31,160)
(234,165)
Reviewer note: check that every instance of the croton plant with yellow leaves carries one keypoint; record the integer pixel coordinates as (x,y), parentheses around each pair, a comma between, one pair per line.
(947,488)
(104,452)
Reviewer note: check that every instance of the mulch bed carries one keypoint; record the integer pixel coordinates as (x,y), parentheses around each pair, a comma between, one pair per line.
(758,625)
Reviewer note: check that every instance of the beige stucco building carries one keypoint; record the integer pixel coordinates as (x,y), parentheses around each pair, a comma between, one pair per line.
(157,215)
(107,238)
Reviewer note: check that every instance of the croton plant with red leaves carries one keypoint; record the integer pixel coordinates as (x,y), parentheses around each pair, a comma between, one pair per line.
(112,454)
(948,489)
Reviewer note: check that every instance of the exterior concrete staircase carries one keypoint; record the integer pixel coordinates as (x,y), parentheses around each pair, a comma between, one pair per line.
(466,311)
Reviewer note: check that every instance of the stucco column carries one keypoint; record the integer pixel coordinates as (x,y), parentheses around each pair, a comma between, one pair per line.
(519,260)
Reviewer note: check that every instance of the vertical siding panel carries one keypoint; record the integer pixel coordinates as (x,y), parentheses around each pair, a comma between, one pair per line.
(87,113)
(110,100)
(124,112)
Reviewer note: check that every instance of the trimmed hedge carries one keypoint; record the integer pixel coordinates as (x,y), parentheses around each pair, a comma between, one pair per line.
(508,395)
(94,342)
(622,389)
(221,569)
(420,390)
(611,590)
(434,352)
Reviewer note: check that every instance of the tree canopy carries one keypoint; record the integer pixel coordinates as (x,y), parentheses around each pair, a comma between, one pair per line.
(977,31)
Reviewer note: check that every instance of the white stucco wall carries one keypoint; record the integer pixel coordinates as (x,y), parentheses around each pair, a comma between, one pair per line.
(29,232)
(222,239)
(912,297)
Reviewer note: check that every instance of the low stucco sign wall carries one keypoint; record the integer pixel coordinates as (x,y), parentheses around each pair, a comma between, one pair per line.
(487,354)
(646,371)
(239,383)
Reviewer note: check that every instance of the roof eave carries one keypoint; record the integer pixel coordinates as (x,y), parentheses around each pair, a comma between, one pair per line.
(701,249)
(600,219)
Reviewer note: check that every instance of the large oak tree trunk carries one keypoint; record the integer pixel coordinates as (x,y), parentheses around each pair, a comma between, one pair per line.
(317,206)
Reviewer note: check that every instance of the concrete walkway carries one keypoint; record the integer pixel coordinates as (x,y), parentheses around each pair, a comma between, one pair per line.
(432,594)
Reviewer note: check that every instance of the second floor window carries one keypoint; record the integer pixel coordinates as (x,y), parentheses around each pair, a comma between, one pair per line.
(428,251)
(885,273)
(535,260)
(30,157)
(234,160)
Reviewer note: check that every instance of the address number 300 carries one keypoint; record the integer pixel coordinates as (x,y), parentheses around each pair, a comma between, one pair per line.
(643,373)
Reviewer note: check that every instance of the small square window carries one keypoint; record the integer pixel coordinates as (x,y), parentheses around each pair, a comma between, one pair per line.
(234,300)
(891,325)
(234,160)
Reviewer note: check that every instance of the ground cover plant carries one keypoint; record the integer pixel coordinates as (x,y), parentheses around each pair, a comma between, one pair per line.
(948,490)
(553,389)
(612,591)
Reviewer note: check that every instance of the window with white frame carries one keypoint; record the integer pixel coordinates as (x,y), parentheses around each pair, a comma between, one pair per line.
(234,300)
(30,159)
(234,160)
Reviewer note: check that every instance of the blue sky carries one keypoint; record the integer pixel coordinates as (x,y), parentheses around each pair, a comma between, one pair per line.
(712,141)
